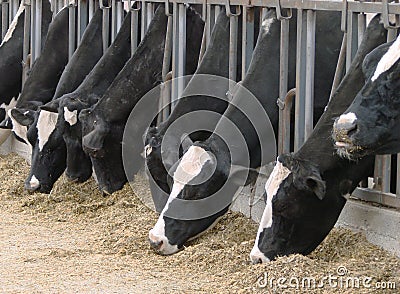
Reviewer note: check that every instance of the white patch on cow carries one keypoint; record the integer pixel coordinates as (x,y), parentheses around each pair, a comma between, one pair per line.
(94,175)
(34,182)
(46,125)
(13,24)
(147,150)
(347,118)
(20,130)
(346,196)
(9,106)
(70,117)
(266,24)
(278,175)
(190,166)
(387,60)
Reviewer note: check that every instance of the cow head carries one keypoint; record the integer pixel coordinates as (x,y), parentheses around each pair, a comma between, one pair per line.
(105,150)
(371,124)
(202,185)
(298,212)
(48,150)
(79,165)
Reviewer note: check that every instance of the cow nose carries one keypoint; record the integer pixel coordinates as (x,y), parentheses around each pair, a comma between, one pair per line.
(156,245)
(345,125)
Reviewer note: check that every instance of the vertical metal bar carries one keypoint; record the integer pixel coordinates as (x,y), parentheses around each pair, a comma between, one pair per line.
(149,13)
(113,19)
(134,30)
(398,176)
(247,38)
(143,20)
(175,58)
(71,29)
(284,128)
(310,61)
(26,44)
(106,28)
(92,9)
(10,11)
(33,35)
(166,86)
(233,33)
(217,10)
(352,30)
(4,19)
(82,19)
(120,16)
(339,66)
(209,22)
(300,79)
(38,25)
(362,23)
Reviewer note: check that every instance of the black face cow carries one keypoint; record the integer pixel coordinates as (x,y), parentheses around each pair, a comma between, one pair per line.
(254,101)
(103,126)
(371,124)
(42,81)
(45,133)
(308,189)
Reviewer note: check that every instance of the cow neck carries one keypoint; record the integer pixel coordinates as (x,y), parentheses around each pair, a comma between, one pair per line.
(319,146)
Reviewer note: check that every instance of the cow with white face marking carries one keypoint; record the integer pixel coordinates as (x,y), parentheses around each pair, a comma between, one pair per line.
(46,71)
(11,63)
(254,101)
(371,124)
(307,189)
(215,62)
(45,133)
(103,125)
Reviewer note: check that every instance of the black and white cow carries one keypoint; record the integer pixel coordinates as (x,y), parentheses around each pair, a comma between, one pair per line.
(48,154)
(103,126)
(371,124)
(46,71)
(215,62)
(307,190)
(218,166)
(11,63)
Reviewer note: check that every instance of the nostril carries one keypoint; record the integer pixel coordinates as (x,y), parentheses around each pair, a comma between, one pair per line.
(156,245)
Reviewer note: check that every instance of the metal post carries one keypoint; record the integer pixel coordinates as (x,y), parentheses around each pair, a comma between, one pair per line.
(284,116)
(149,13)
(4,18)
(209,22)
(120,16)
(92,9)
(352,42)
(339,66)
(300,79)
(113,19)
(106,24)
(71,28)
(33,26)
(82,19)
(247,38)
(310,62)
(134,25)
(143,28)
(362,23)
(38,28)
(233,36)
(26,44)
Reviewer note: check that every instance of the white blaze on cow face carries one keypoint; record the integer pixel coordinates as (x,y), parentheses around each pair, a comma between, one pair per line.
(13,24)
(34,182)
(190,166)
(278,175)
(70,117)
(46,124)
(387,60)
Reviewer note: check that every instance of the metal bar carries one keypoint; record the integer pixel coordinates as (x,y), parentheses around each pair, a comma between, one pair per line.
(4,19)
(247,38)
(149,13)
(362,23)
(120,16)
(217,10)
(398,176)
(71,29)
(26,44)
(143,28)
(113,19)
(134,29)
(233,33)
(82,19)
(284,119)
(92,8)
(352,43)
(181,48)
(168,49)
(106,27)
(371,195)
(33,35)
(310,62)
(209,22)
(300,79)
(175,54)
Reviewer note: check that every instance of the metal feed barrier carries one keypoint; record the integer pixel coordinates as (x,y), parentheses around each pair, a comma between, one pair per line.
(376,189)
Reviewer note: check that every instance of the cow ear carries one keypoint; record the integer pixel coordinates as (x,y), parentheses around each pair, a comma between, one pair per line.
(22,116)
(243,176)
(316,185)
(186,142)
